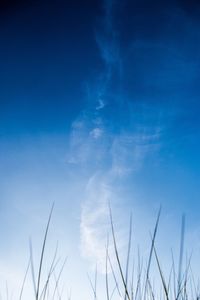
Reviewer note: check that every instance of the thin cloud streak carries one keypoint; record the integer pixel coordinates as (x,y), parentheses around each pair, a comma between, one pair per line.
(108,154)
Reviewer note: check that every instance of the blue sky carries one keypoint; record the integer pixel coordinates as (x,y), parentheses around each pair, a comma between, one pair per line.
(98,102)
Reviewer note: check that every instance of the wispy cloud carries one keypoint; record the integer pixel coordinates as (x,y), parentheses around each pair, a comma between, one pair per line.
(107,36)
(100,105)
(106,156)
(95,221)
(107,148)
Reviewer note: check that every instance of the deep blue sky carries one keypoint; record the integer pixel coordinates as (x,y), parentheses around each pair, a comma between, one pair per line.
(99,101)
(48,51)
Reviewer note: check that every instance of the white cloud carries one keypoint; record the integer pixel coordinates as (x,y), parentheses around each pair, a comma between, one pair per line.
(107,154)
(100,105)
(94,225)
(127,155)
(96,133)
(108,157)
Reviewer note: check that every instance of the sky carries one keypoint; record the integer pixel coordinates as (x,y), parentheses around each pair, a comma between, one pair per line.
(99,103)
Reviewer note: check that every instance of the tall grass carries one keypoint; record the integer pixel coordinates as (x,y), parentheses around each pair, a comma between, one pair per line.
(129,279)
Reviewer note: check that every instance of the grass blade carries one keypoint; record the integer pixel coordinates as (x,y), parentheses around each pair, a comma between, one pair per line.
(42,253)
(151,251)
(117,256)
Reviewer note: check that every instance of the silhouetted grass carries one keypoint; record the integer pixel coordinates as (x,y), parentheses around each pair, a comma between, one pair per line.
(131,282)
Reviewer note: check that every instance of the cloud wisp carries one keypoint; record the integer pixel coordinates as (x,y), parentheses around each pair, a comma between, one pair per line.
(110,140)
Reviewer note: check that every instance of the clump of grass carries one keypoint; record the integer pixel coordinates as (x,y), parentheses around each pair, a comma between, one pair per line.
(47,288)
(129,281)
(175,287)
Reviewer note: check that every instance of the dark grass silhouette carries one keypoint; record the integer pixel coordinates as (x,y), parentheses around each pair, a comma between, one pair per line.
(129,282)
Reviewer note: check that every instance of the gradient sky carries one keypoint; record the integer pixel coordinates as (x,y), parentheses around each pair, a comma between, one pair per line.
(99,101)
